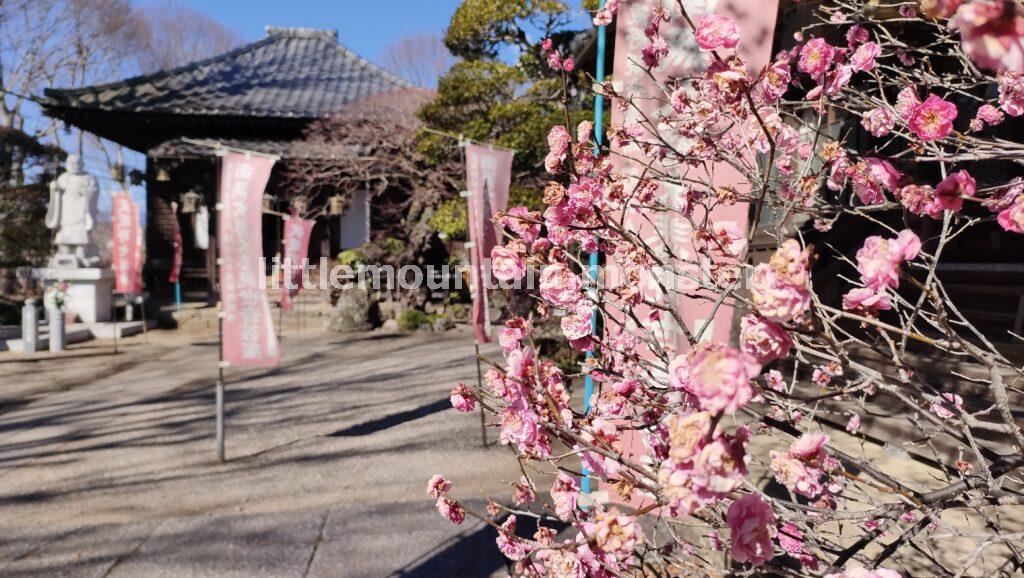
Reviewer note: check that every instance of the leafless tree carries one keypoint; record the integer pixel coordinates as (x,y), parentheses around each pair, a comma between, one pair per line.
(171,34)
(372,145)
(421,59)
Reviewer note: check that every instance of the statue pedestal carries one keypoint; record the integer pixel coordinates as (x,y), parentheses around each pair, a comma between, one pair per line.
(88,293)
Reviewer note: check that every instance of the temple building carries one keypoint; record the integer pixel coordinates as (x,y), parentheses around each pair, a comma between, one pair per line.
(259,97)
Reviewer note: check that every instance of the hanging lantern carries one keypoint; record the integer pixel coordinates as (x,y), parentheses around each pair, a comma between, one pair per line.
(136,177)
(300,204)
(162,174)
(190,202)
(117,173)
(335,205)
(268,202)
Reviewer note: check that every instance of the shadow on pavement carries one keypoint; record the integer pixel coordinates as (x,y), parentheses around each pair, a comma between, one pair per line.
(388,421)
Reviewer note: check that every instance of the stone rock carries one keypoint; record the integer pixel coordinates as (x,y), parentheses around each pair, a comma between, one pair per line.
(444,323)
(390,326)
(353,311)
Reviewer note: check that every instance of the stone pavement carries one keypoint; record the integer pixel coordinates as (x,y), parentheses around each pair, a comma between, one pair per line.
(107,468)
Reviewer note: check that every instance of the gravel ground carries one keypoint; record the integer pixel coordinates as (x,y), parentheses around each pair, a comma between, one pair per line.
(107,462)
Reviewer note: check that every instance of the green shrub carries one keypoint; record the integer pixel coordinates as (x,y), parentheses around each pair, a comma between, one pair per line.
(412,319)
(351,258)
(450,218)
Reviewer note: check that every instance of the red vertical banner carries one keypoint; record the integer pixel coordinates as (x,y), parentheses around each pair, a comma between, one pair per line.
(297,232)
(248,330)
(633,81)
(127,245)
(488,177)
(176,260)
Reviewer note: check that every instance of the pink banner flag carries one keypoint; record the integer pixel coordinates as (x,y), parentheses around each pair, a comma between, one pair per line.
(127,245)
(297,232)
(673,233)
(488,177)
(248,330)
(176,261)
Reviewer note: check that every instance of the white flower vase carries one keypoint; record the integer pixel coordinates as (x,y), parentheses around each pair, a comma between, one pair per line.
(56,322)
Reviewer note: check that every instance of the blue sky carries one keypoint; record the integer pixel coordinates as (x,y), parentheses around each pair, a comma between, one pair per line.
(365,26)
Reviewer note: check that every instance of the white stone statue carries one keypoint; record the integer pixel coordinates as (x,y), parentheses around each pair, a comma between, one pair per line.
(72,213)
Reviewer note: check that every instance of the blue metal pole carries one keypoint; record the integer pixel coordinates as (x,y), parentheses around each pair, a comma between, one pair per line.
(177,296)
(588,389)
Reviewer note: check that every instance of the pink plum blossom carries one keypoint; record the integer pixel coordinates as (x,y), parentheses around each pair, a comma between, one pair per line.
(907,102)
(791,539)
(717,31)
(655,51)
(523,222)
(932,119)
(603,17)
(720,379)
(1011,93)
(801,467)
(558,146)
(863,59)
(774,380)
(751,522)
(853,425)
(779,287)
(1011,213)
(883,173)
(438,485)
(614,536)
(946,400)
(576,326)
(560,285)
(510,545)
(866,302)
(950,192)
(857,34)
(992,33)
(565,492)
(878,261)
(450,509)
(765,340)
(987,115)
(878,121)
(506,264)
(920,200)
(815,57)
(462,398)
(775,82)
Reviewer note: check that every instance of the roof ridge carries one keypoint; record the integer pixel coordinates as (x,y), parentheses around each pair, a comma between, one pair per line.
(303,32)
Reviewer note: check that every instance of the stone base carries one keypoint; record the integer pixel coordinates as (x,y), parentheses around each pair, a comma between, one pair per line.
(88,294)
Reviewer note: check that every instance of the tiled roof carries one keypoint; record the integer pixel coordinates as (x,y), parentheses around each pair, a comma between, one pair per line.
(291,73)
(286,149)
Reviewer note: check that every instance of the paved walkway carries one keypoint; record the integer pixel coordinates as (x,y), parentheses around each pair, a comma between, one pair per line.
(109,469)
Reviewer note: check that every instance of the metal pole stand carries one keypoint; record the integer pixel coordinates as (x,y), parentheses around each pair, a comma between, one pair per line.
(480,385)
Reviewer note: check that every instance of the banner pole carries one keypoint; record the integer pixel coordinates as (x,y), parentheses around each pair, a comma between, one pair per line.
(113,316)
(177,296)
(592,261)
(480,385)
(219,394)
